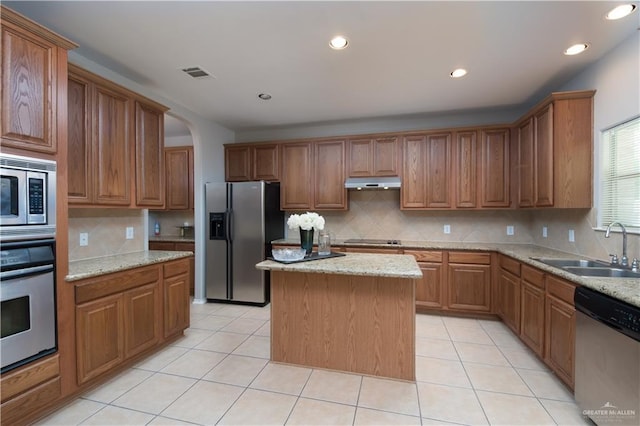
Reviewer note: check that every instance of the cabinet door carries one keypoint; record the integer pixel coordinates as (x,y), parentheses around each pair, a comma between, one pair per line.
(296,190)
(526,164)
(509,300)
(179,178)
(469,287)
(429,288)
(141,318)
(99,336)
(560,335)
(532,317)
(385,156)
(360,157)
(150,187)
(237,163)
(111,147)
(544,157)
(329,191)
(414,174)
(438,168)
(80,175)
(466,170)
(265,161)
(176,303)
(29,90)
(495,168)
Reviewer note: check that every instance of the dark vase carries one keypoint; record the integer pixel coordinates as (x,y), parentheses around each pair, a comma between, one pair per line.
(306,240)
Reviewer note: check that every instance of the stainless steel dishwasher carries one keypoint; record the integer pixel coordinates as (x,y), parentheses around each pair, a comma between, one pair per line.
(607,369)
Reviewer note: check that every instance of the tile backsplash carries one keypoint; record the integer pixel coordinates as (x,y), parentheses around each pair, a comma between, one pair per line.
(106,229)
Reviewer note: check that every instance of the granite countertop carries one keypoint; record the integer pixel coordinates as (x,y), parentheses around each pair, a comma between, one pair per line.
(172,239)
(87,268)
(366,264)
(626,289)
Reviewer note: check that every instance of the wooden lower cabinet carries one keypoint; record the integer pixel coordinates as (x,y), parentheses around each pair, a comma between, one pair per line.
(560,329)
(177,246)
(429,289)
(532,309)
(126,313)
(469,281)
(508,304)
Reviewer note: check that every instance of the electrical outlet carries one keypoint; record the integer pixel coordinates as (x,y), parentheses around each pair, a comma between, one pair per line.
(84,239)
(572,236)
(447,229)
(510,230)
(544,232)
(129,233)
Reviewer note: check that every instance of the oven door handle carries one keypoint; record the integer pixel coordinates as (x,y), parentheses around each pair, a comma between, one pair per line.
(25,272)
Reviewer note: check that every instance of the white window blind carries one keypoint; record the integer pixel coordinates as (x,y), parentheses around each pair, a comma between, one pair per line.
(620,176)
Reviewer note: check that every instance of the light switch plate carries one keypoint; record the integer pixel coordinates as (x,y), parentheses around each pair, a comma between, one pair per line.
(84,239)
(572,236)
(447,229)
(510,230)
(129,233)
(544,232)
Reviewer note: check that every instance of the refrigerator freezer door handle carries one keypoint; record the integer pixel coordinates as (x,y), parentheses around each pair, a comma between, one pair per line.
(229,222)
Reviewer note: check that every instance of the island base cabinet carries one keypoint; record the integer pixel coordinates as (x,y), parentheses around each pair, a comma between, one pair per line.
(358,324)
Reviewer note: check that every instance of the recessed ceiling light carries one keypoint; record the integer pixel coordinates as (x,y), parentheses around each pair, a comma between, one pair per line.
(576,49)
(457,73)
(620,11)
(264,96)
(338,43)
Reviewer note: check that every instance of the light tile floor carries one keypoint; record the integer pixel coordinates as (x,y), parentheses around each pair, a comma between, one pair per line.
(468,371)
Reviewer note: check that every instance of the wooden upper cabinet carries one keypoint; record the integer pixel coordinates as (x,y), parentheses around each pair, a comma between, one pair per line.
(237,163)
(150,174)
(252,162)
(111,147)
(179,177)
(414,174)
(438,165)
(296,189)
(556,141)
(465,168)
(80,175)
(495,172)
(34,70)
(329,192)
(116,138)
(526,164)
(375,156)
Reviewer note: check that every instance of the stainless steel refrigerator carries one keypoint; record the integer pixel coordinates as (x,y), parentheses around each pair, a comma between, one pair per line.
(243,219)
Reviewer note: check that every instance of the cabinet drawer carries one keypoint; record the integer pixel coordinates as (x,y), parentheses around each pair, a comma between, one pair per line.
(185,247)
(561,289)
(118,282)
(20,380)
(470,257)
(372,250)
(176,268)
(533,276)
(425,256)
(510,265)
(161,245)
(17,409)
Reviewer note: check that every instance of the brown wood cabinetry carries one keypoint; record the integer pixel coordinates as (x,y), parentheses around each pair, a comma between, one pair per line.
(469,281)
(555,145)
(247,162)
(495,171)
(465,158)
(373,156)
(532,309)
(33,73)
(560,328)
(123,314)
(509,293)
(179,177)
(313,176)
(177,246)
(429,289)
(114,135)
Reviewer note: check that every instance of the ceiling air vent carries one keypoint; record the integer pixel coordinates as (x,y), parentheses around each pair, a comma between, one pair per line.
(197,72)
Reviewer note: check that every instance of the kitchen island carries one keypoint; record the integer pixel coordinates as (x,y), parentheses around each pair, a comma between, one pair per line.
(354,313)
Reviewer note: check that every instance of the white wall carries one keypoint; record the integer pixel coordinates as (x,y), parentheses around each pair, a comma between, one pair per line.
(178,141)
(208,139)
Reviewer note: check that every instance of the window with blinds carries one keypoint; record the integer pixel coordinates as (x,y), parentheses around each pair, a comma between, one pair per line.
(620,175)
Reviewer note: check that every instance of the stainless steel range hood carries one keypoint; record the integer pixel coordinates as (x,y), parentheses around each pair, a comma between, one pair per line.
(392,182)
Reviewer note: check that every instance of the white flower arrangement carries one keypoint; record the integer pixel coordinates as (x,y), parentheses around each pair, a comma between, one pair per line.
(306,221)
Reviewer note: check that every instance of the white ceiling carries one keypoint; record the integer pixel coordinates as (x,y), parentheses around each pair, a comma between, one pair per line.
(398,61)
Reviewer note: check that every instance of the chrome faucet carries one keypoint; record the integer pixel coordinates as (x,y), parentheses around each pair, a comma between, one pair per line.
(625,260)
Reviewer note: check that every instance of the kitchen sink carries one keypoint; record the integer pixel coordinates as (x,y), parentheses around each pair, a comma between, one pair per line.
(608,272)
(562,263)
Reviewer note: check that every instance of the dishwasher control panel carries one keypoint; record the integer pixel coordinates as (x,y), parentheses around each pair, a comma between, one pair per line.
(612,312)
